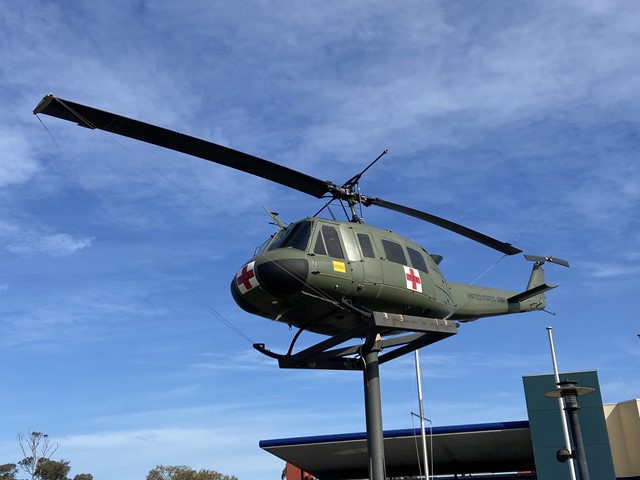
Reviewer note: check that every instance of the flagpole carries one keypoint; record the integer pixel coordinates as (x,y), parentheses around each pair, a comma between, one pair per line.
(565,428)
(425,458)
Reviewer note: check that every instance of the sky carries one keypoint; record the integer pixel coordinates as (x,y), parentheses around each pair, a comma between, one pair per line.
(118,334)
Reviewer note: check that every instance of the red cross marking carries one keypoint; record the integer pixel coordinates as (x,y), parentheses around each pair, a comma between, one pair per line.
(413,278)
(244,278)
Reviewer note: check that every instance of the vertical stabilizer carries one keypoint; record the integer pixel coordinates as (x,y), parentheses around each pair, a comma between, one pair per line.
(537,285)
(537,273)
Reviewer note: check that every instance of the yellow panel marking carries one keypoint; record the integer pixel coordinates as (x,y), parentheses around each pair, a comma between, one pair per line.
(339,267)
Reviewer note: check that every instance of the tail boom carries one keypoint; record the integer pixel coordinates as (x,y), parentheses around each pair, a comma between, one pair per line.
(472,302)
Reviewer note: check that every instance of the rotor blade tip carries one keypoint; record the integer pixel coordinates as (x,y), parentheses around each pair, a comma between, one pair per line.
(46,100)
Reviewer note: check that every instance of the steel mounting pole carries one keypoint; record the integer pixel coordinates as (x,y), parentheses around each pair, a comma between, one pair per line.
(423,435)
(373,407)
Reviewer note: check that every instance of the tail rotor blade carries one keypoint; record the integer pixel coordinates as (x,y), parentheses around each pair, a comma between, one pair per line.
(541,260)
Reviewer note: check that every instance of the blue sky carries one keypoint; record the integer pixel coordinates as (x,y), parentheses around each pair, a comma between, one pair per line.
(518,119)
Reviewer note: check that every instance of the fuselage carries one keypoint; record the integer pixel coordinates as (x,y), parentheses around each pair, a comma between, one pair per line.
(302,274)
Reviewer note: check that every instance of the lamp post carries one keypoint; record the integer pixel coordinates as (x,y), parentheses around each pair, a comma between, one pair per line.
(563,417)
(569,391)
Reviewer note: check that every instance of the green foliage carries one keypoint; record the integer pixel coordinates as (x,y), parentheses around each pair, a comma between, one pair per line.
(35,446)
(83,476)
(37,449)
(8,471)
(51,470)
(182,472)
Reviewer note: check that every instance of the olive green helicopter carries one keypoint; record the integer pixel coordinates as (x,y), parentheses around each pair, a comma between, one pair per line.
(320,275)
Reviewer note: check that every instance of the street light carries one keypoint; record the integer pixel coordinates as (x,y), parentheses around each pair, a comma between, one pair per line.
(570,392)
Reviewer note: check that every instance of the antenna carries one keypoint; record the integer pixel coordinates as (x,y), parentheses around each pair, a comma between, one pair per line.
(356,178)
(355,182)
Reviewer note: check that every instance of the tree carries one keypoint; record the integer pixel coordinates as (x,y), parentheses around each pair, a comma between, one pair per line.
(182,472)
(8,471)
(35,446)
(51,470)
(37,449)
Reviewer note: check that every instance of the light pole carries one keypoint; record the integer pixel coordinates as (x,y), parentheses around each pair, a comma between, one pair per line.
(563,417)
(569,391)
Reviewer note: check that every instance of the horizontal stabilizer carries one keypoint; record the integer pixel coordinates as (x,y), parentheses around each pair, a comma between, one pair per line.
(532,292)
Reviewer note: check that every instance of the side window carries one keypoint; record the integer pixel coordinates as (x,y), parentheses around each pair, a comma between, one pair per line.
(320,249)
(394,252)
(417,260)
(328,243)
(365,245)
(332,241)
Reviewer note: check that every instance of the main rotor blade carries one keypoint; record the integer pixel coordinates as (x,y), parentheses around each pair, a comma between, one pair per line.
(503,247)
(93,118)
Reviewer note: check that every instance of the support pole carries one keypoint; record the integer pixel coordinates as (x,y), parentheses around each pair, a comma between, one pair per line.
(423,434)
(409,334)
(373,409)
(571,401)
(569,391)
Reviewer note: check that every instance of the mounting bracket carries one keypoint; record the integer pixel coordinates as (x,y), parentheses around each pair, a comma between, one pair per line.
(404,334)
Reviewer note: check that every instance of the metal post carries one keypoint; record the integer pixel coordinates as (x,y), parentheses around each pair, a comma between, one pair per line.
(425,458)
(373,410)
(563,418)
(571,400)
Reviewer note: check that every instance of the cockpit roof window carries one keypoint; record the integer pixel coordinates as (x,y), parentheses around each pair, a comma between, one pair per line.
(295,236)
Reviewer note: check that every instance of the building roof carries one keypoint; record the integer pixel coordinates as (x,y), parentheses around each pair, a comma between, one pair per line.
(477,448)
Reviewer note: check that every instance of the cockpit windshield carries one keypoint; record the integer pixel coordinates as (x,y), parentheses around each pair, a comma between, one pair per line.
(294,236)
(266,243)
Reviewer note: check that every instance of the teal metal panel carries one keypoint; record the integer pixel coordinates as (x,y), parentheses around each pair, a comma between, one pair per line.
(546,427)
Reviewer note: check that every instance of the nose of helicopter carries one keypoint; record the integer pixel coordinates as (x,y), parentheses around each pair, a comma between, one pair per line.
(277,277)
(283,277)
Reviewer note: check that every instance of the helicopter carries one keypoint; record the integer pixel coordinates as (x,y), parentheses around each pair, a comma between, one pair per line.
(322,275)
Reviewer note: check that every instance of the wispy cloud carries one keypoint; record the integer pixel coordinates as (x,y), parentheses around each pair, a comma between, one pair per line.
(29,242)
(217,448)
(17,164)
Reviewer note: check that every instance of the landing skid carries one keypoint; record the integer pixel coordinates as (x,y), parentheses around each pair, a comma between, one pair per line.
(407,333)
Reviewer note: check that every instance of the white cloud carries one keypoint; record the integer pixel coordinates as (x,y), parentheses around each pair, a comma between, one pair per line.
(130,454)
(17,164)
(30,241)
(610,270)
